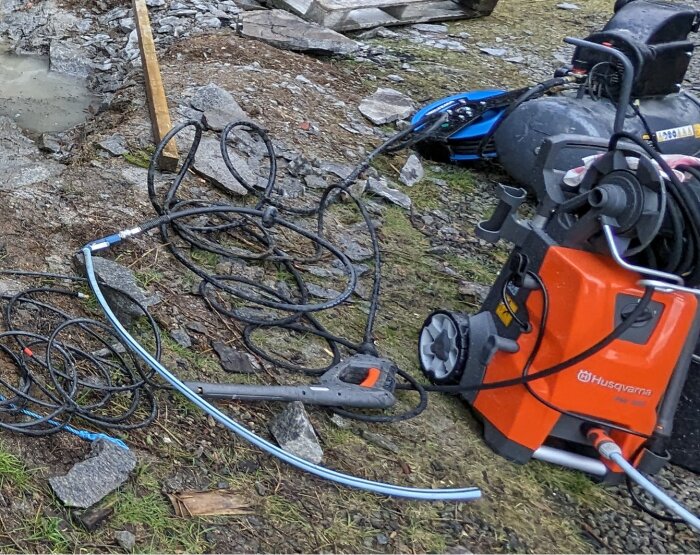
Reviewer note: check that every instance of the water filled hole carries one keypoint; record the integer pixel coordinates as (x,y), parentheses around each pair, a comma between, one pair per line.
(40,100)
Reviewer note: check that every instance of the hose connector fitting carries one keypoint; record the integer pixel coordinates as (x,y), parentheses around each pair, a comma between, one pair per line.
(603,443)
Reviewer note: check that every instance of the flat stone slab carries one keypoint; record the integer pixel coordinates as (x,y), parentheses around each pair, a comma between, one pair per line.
(386,106)
(289,32)
(91,480)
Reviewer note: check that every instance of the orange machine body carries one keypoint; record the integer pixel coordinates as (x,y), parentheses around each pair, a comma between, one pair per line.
(622,384)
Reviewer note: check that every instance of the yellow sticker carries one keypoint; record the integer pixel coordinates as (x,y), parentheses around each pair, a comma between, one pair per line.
(502,312)
(696,129)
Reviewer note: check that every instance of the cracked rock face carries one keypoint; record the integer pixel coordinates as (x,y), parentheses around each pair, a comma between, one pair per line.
(285,30)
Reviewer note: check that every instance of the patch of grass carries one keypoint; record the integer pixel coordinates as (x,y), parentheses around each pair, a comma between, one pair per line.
(13,471)
(142,504)
(280,509)
(148,277)
(204,258)
(576,484)
(140,158)
(45,530)
(458,179)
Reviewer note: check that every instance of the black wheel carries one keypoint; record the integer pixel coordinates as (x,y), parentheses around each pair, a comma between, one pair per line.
(443,346)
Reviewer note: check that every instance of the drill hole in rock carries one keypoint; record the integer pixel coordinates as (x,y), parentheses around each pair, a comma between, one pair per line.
(39,100)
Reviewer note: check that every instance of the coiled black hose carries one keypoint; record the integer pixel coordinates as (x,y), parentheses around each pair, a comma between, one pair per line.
(62,365)
(256,235)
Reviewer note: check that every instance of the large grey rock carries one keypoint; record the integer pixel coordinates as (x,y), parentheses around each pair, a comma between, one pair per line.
(218,105)
(289,32)
(91,480)
(210,165)
(381,188)
(412,171)
(294,433)
(385,106)
(68,58)
(21,162)
(120,278)
(132,49)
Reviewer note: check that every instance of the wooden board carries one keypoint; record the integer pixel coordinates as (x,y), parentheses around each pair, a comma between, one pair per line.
(350,15)
(157,103)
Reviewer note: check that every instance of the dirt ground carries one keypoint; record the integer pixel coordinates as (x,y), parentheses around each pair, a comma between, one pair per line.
(530,508)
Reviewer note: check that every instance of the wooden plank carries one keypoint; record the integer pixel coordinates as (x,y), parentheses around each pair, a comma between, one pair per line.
(157,103)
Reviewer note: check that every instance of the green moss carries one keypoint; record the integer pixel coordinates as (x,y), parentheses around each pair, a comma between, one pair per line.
(140,158)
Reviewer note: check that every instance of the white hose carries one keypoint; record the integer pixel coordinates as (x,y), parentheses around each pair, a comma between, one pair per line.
(656,492)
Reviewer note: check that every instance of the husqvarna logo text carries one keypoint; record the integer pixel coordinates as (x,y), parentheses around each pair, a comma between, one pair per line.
(586,376)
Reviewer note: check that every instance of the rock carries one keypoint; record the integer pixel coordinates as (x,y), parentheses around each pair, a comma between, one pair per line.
(155,3)
(322,292)
(132,49)
(93,518)
(218,105)
(120,278)
(294,433)
(125,539)
(114,145)
(378,32)
(499,52)
(475,290)
(49,143)
(380,441)
(181,338)
(381,188)
(395,78)
(352,249)
(91,480)
(568,6)
(289,32)
(385,106)
(68,58)
(412,171)
(210,165)
(232,360)
(21,162)
(429,28)
(515,59)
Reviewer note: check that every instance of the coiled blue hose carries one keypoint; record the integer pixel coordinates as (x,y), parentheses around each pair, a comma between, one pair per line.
(423,494)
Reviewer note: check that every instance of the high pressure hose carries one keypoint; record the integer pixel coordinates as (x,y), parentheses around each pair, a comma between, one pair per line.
(611,451)
(424,494)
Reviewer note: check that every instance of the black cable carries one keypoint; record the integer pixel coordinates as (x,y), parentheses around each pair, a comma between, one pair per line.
(688,208)
(69,365)
(253,235)
(644,507)
(620,329)
(529,94)
(533,355)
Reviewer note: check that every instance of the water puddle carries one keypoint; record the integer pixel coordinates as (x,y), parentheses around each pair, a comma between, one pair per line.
(40,100)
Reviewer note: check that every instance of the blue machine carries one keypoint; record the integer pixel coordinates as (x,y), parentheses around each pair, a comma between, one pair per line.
(460,137)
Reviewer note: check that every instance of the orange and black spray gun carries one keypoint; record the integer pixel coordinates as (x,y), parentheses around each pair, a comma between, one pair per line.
(360,381)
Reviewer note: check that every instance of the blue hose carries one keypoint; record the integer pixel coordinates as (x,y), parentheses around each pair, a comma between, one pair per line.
(423,494)
(656,492)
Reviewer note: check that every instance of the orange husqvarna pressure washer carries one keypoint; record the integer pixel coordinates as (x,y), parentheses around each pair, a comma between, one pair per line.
(590,326)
